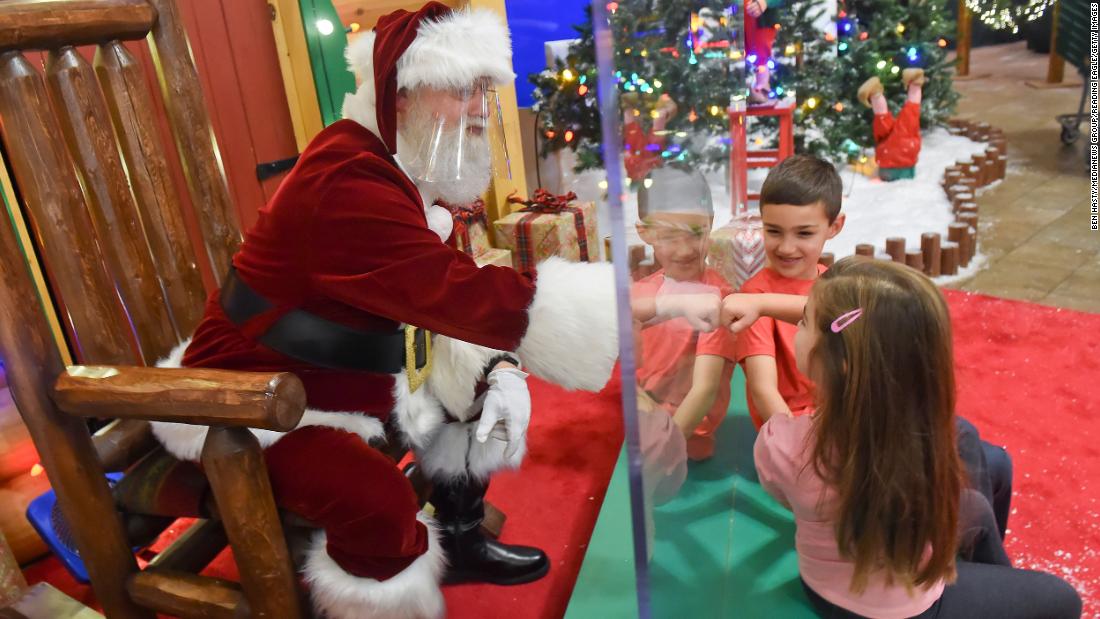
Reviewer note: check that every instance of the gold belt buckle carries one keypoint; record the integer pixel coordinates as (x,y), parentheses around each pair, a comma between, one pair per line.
(417,376)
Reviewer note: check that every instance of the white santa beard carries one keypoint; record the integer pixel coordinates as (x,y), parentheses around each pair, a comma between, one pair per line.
(415,146)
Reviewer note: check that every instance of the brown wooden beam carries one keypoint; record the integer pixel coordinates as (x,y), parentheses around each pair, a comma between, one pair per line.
(33,24)
(962,42)
(267,400)
(234,463)
(1056,67)
(187,595)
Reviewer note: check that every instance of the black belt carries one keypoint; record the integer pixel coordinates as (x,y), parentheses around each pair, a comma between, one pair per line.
(318,341)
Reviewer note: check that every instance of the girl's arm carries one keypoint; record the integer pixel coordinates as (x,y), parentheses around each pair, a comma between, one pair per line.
(706,378)
(762,378)
(740,310)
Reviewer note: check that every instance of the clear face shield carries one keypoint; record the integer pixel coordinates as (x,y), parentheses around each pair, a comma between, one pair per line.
(454,137)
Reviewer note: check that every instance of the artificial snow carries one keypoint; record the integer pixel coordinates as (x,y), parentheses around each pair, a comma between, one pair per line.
(874,209)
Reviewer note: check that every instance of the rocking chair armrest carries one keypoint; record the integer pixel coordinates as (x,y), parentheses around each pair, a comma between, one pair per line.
(264,400)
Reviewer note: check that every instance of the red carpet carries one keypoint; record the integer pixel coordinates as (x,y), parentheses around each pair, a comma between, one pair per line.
(551,503)
(1029,378)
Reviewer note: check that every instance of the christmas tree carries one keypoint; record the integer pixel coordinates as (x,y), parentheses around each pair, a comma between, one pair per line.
(872,37)
(692,51)
(678,48)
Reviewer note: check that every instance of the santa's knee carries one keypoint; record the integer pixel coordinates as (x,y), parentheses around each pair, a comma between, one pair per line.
(374,554)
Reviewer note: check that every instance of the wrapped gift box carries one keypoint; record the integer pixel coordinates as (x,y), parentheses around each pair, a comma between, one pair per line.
(498,257)
(737,249)
(471,228)
(549,225)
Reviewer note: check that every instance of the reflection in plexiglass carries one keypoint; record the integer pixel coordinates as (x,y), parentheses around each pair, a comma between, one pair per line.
(675,122)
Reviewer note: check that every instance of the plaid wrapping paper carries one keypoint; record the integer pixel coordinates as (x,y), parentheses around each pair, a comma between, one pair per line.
(471,228)
(496,257)
(542,228)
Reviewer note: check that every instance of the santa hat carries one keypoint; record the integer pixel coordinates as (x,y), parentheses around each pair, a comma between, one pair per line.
(435,46)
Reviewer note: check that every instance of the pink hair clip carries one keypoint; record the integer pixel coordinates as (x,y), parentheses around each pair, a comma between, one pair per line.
(845,319)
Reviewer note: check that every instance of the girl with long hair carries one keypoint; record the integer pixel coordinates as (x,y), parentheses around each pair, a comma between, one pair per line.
(873,476)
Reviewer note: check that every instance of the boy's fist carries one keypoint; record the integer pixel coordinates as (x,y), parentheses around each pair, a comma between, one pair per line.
(739,311)
(699,304)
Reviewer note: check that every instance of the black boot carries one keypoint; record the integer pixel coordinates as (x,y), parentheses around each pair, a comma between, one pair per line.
(471,556)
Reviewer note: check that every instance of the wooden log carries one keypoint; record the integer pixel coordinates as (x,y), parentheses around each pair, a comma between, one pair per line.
(971,221)
(930,248)
(31,362)
(194,549)
(949,258)
(979,162)
(865,249)
(975,173)
(895,246)
(961,198)
(968,208)
(32,24)
(194,137)
(86,125)
(915,259)
(826,258)
(962,40)
(180,594)
(268,400)
(989,169)
(951,177)
(59,218)
(127,94)
(234,464)
(956,233)
(123,442)
(1002,166)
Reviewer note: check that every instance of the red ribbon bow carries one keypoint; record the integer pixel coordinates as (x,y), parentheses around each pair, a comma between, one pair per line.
(545,203)
(464,218)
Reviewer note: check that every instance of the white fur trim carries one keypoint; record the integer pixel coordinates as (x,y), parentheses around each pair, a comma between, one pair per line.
(456,50)
(418,415)
(450,450)
(456,370)
(452,52)
(454,453)
(440,221)
(572,331)
(412,593)
(361,105)
(185,441)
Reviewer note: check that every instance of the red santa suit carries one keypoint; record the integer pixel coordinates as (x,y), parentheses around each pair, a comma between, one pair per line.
(349,239)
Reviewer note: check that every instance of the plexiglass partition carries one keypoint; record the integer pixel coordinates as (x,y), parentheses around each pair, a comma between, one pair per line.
(678,83)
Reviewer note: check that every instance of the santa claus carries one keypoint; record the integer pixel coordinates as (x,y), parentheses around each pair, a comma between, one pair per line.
(346,281)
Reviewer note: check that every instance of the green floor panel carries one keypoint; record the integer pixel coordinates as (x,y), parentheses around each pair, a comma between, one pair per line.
(724,547)
(606,587)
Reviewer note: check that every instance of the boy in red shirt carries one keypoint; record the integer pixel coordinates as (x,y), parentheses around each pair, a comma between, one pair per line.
(800,207)
(684,362)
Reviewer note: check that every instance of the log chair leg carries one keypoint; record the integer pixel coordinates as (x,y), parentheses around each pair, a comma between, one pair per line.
(234,464)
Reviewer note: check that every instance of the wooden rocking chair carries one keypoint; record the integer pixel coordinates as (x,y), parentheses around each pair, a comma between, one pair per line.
(84,146)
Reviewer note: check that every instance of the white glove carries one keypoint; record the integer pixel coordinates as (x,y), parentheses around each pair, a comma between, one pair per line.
(507,403)
(699,304)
